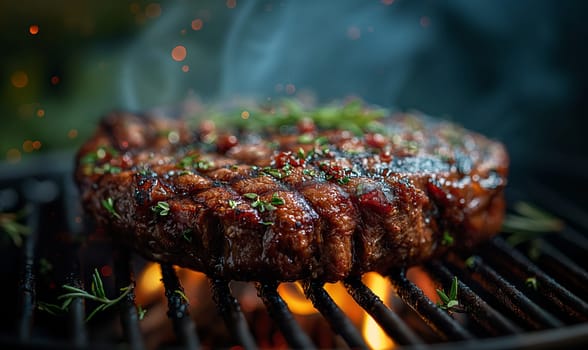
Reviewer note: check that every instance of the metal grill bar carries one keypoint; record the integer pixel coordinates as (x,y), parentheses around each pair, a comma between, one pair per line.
(77,311)
(279,312)
(179,308)
(484,315)
(568,272)
(437,319)
(128,310)
(562,298)
(230,310)
(339,322)
(507,295)
(27,283)
(390,322)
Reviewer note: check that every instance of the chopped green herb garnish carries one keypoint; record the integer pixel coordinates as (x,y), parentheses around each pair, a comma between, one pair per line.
(273,172)
(305,138)
(449,302)
(193,161)
(531,282)
(309,172)
(447,239)
(162,208)
(344,180)
(232,204)
(471,262)
(266,223)
(276,200)
(141,312)
(187,235)
(182,294)
(108,204)
(262,206)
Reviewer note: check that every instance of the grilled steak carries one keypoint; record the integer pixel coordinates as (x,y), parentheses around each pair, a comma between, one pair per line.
(321,195)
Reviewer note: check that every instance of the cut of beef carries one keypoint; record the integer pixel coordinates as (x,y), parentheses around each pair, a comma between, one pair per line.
(292,197)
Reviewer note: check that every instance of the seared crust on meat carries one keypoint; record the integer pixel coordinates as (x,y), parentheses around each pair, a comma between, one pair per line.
(292,202)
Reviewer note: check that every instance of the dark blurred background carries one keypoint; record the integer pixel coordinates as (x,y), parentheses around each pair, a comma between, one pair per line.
(514,70)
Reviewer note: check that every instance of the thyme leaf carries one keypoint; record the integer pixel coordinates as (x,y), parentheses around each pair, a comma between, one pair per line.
(108,204)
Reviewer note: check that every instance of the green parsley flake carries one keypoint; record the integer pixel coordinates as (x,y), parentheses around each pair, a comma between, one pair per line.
(162,208)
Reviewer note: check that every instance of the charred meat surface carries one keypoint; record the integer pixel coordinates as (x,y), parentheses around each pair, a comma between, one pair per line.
(293,195)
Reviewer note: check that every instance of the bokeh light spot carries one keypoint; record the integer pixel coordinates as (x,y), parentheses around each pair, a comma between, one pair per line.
(55,80)
(37,144)
(425,21)
(245,115)
(387,2)
(153,10)
(72,134)
(34,29)
(13,155)
(290,89)
(197,24)
(231,4)
(27,146)
(353,33)
(40,113)
(185,68)
(19,79)
(179,53)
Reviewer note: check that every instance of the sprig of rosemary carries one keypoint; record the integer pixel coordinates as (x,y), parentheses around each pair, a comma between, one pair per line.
(529,223)
(97,294)
(15,230)
(449,302)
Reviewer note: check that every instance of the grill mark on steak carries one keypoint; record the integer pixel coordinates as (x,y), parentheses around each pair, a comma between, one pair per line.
(368,203)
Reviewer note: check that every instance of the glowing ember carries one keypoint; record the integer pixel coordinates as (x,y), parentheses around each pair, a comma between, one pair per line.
(179,53)
(40,113)
(34,29)
(197,24)
(19,79)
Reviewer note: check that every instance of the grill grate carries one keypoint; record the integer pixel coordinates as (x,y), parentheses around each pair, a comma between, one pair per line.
(501,312)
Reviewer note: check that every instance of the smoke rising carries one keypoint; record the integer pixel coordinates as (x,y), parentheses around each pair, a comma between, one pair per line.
(495,66)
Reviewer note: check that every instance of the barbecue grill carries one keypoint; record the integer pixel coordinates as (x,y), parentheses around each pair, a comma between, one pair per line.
(500,309)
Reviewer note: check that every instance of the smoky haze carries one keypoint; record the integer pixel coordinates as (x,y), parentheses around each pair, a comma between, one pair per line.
(499,67)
